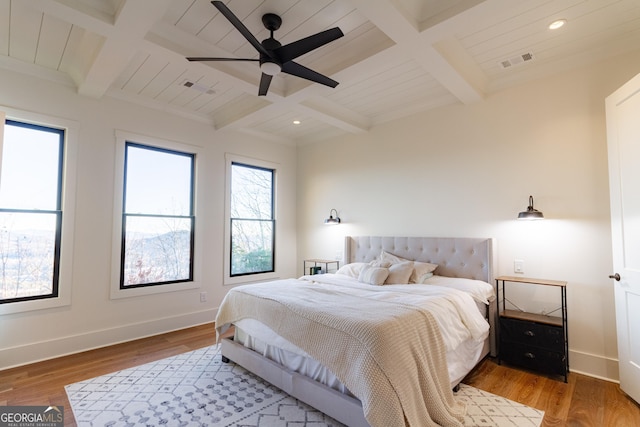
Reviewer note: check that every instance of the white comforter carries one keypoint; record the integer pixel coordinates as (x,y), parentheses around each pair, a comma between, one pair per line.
(454,312)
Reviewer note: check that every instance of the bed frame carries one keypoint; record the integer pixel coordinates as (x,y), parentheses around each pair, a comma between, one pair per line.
(470,258)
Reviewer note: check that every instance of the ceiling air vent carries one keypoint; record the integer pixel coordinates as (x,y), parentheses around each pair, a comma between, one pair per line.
(517,60)
(198,87)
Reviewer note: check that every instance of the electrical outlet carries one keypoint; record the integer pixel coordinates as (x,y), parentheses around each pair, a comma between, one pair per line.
(518,266)
(203,297)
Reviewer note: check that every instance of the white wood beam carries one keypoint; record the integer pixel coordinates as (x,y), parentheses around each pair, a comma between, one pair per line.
(336,115)
(102,60)
(404,31)
(134,19)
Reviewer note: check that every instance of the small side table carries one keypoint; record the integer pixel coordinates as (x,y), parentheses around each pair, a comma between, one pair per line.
(533,341)
(317,266)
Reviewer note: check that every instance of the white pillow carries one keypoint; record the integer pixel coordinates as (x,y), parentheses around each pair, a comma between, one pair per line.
(352,270)
(422,271)
(399,274)
(380,263)
(373,275)
(424,277)
(386,256)
(420,268)
(480,291)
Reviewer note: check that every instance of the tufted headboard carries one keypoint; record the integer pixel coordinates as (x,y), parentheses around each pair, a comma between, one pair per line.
(471,258)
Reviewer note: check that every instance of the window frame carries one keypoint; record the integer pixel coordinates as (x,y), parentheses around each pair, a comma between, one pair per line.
(229,279)
(117,290)
(125,214)
(65,220)
(272,220)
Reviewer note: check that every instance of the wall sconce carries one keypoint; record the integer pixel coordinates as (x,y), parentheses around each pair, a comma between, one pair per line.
(332,220)
(530,213)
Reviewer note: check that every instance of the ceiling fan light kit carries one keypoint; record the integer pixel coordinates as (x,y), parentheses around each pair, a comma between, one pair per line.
(270,68)
(274,57)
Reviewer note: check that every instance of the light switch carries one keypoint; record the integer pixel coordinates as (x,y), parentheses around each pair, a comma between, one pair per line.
(518,266)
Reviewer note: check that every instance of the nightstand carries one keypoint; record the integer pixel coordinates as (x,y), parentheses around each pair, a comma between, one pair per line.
(533,341)
(317,266)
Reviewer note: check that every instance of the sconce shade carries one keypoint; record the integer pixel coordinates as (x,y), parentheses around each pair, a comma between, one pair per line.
(332,220)
(530,213)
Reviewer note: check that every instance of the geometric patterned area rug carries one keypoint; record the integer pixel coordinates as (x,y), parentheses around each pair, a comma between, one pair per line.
(486,409)
(198,389)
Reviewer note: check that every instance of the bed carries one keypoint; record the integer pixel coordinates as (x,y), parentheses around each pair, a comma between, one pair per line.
(402,360)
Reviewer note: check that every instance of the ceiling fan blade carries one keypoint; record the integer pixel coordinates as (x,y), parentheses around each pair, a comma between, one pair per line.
(204,58)
(298,70)
(295,49)
(265,81)
(224,10)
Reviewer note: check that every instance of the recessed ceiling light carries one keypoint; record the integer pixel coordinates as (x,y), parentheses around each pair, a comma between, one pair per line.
(296,122)
(557,24)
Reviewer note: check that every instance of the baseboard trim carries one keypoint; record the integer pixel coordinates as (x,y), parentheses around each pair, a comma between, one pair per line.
(44,350)
(596,366)
(592,365)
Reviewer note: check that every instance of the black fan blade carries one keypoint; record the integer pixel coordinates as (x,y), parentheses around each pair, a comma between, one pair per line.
(240,27)
(295,49)
(265,81)
(204,58)
(298,70)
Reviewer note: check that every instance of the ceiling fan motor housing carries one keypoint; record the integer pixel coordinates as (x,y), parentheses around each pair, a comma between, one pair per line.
(270,64)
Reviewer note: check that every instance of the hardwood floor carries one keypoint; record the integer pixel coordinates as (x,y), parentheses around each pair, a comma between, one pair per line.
(43,383)
(583,401)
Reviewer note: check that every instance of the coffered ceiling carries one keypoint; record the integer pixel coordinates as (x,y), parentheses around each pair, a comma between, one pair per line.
(397,57)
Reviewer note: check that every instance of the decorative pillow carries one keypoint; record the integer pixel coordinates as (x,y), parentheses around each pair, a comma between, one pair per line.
(380,263)
(479,290)
(422,280)
(420,268)
(422,271)
(386,256)
(399,273)
(352,270)
(373,275)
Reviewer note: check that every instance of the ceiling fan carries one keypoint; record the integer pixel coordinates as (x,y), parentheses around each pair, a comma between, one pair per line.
(274,57)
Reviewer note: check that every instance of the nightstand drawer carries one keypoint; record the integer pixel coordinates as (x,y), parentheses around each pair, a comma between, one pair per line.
(533,334)
(533,358)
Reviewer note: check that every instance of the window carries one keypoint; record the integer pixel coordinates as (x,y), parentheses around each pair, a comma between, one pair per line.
(157,217)
(252,220)
(30,211)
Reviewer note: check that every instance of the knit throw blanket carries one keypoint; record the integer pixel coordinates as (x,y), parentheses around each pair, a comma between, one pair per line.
(389,355)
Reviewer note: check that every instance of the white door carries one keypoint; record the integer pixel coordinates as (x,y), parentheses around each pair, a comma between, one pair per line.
(623,138)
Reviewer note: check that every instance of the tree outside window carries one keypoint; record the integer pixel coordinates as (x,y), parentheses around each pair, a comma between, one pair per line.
(252,220)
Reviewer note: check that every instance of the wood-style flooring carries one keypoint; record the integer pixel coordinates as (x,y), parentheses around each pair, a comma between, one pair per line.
(583,401)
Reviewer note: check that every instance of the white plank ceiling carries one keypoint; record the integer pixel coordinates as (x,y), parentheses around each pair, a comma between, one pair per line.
(397,58)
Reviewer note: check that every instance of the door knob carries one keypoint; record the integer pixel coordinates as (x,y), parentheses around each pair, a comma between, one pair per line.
(615,276)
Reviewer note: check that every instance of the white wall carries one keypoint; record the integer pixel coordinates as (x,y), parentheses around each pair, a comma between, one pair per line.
(468,170)
(458,171)
(93,319)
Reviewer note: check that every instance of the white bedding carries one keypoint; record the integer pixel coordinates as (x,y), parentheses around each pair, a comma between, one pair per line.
(387,344)
(463,327)
(262,339)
